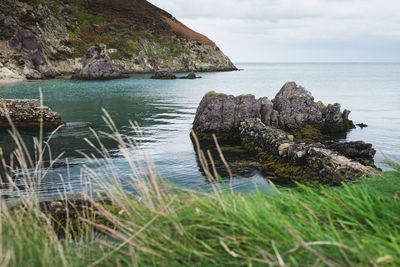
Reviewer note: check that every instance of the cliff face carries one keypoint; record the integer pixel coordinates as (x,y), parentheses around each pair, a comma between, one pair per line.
(43,38)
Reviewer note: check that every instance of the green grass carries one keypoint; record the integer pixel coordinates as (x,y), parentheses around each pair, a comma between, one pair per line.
(350,225)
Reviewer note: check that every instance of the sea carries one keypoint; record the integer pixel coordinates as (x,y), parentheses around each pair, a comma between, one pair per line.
(165,110)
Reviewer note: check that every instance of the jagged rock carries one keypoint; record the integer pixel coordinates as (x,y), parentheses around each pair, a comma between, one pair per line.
(311,161)
(28,113)
(293,108)
(269,116)
(356,150)
(97,65)
(297,109)
(220,113)
(24,55)
(32,74)
(164,74)
(269,128)
(5,73)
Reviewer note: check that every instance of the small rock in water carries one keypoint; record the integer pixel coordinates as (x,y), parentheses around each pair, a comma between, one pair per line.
(362,125)
(191,76)
(164,74)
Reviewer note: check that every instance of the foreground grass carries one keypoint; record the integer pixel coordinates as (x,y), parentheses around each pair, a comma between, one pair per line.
(352,225)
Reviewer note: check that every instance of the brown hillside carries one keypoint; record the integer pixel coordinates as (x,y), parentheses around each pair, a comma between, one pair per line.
(143,16)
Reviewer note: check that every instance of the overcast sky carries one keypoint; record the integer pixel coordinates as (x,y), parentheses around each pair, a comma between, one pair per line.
(295,30)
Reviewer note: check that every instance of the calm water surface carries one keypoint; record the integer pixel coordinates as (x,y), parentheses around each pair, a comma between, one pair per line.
(165,111)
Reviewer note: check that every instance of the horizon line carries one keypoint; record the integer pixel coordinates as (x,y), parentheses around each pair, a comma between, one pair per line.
(316,62)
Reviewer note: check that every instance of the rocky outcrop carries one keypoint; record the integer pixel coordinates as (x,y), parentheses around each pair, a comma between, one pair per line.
(97,65)
(164,74)
(291,109)
(28,113)
(220,113)
(269,128)
(356,150)
(297,109)
(317,162)
(41,39)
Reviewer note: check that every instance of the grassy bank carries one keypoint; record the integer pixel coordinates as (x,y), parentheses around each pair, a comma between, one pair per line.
(354,225)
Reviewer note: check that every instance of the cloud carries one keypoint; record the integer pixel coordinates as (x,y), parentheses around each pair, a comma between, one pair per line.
(289,30)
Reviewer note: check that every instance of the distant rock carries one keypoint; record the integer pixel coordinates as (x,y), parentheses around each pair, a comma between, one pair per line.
(37,35)
(142,37)
(362,125)
(191,76)
(5,73)
(164,74)
(97,65)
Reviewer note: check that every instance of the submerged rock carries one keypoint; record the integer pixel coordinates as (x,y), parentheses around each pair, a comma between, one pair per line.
(97,65)
(28,113)
(164,74)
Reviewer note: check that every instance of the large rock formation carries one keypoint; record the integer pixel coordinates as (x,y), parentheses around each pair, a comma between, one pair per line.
(220,113)
(275,131)
(97,65)
(292,108)
(40,39)
(28,113)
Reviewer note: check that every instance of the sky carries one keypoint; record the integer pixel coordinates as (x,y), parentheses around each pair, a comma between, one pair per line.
(295,30)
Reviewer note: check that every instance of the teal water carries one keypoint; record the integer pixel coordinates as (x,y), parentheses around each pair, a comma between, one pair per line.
(165,111)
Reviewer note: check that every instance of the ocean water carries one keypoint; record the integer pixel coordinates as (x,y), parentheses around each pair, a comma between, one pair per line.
(165,111)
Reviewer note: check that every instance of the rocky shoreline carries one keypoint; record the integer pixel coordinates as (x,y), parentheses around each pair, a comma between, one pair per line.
(10,80)
(47,39)
(289,135)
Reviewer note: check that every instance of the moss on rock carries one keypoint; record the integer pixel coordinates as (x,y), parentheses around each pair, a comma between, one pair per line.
(308,133)
(206,139)
(345,126)
(279,171)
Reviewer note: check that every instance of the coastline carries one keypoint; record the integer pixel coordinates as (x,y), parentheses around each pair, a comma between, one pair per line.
(11,80)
